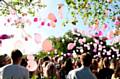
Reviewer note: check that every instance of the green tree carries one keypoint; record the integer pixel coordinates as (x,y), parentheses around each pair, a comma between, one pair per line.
(18,5)
(94,12)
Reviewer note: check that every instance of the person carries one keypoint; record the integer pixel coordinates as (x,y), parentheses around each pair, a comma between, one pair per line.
(52,72)
(84,71)
(94,67)
(106,72)
(116,74)
(15,70)
(5,60)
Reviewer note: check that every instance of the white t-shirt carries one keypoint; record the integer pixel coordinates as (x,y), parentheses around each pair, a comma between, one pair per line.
(15,72)
(81,73)
(1,71)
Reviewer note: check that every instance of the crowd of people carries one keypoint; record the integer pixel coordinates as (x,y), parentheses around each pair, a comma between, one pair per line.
(82,66)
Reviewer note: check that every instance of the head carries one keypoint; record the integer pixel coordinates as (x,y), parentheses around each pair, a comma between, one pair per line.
(51,69)
(23,62)
(106,62)
(16,56)
(46,58)
(4,60)
(117,72)
(86,59)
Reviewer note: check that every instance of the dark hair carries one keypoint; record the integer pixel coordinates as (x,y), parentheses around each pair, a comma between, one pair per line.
(106,62)
(46,58)
(16,54)
(87,59)
(117,70)
(23,62)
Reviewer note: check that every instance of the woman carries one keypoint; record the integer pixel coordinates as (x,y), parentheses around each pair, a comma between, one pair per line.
(116,74)
(52,72)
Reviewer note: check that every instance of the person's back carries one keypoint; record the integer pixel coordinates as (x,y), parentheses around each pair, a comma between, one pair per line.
(15,72)
(106,72)
(84,73)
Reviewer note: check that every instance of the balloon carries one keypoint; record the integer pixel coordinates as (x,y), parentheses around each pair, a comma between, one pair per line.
(52,17)
(42,23)
(0,43)
(32,64)
(70,46)
(105,26)
(117,23)
(5,36)
(29,22)
(30,57)
(60,10)
(37,38)
(110,34)
(80,41)
(47,45)
(48,24)
(35,19)
(100,33)
(53,24)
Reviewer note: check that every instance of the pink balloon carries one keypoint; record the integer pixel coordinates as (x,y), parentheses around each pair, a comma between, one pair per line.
(105,26)
(100,33)
(110,35)
(0,43)
(80,41)
(42,23)
(52,17)
(117,23)
(70,46)
(32,65)
(30,57)
(60,10)
(48,24)
(37,38)
(35,19)
(47,45)
(53,24)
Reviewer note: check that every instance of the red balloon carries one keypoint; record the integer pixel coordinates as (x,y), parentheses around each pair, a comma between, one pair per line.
(42,23)
(35,19)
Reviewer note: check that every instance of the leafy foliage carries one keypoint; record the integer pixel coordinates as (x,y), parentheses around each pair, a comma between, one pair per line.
(92,10)
(19,5)
(95,45)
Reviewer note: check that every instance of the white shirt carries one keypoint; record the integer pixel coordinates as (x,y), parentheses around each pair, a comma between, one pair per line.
(1,71)
(15,72)
(81,73)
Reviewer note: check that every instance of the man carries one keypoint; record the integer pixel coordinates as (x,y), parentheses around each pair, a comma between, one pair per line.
(106,72)
(84,71)
(5,60)
(15,71)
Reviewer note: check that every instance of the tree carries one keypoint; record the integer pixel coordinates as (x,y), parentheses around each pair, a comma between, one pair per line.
(18,5)
(95,12)
(82,44)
